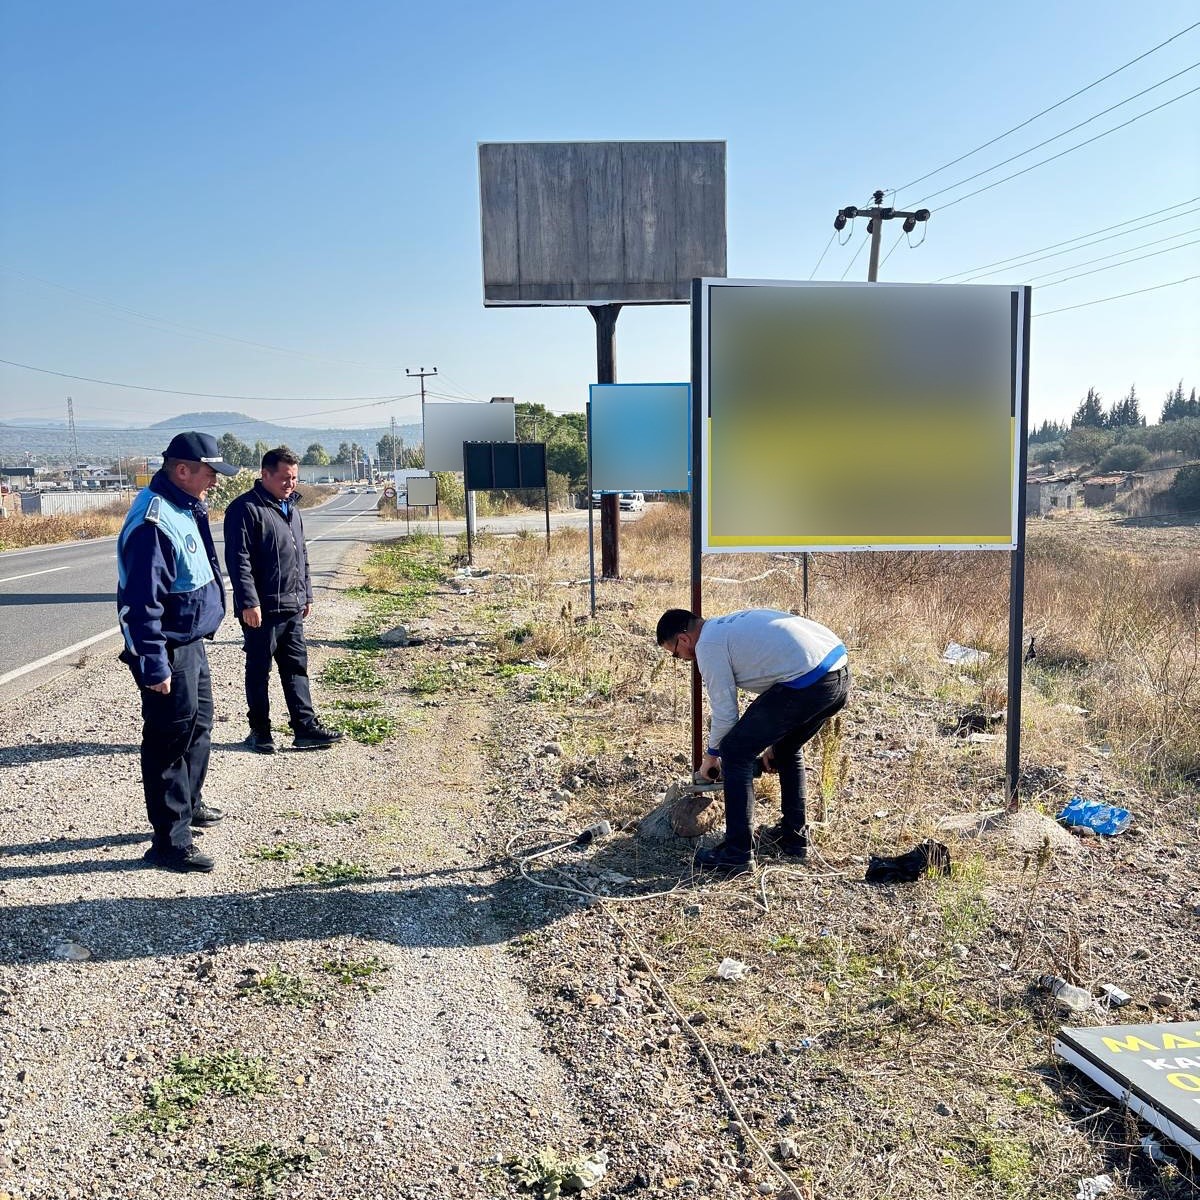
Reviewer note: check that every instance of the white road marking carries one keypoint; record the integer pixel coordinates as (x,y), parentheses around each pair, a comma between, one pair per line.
(31,574)
(9,676)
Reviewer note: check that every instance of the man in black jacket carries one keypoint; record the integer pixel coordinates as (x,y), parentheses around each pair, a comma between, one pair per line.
(272,594)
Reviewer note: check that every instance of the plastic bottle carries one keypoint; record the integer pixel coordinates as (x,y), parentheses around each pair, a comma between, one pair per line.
(1076,999)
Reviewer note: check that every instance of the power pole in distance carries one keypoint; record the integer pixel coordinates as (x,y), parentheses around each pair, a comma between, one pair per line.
(393,447)
(877,214)
(422,374)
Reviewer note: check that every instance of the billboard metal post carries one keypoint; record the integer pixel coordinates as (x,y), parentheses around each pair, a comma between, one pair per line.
(1016,584)
(699,408)
(591,516)
(605,316)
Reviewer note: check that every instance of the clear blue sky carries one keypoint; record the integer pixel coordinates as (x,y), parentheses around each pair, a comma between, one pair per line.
(304,175)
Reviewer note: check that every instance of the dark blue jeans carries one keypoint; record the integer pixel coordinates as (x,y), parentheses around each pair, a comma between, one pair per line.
(176,730)
(785,718)
(279,639)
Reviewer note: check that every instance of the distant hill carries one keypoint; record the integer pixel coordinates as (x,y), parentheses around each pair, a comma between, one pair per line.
(16,439)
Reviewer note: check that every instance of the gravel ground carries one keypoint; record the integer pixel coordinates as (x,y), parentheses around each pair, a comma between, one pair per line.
(454,1052)
(405,1091)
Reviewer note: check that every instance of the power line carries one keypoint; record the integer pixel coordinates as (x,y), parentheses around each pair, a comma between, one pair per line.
(899,239)
(1113,266)
(1046,141)
(224,425)
(861,245)
(1069,149)
(1044,111)
(1087,262)
(978,272)
(1122,296)
(824,252)
(190,329)
(138,387)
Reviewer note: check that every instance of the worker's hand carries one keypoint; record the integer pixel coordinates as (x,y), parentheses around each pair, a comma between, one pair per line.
(307,610)
(710,768)
(767,758)
(252,617)
(164,687)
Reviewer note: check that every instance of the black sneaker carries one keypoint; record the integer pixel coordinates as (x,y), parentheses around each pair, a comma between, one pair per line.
(178,858)
(723,858)
(204,815)
(317,737)
(782,839)
(261,742)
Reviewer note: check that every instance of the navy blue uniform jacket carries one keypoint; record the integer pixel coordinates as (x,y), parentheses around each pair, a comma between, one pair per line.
(153,616)
(265,554)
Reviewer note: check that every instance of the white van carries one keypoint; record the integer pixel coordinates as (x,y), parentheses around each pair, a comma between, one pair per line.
(633,501)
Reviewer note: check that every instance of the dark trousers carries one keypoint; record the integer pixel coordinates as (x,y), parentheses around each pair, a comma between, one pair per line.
(785,718)
(279,639)
(176,730)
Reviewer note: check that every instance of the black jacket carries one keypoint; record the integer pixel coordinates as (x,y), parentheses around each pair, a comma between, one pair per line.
(265,553)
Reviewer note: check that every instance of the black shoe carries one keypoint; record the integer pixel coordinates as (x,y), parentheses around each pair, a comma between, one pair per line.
(178,858)
(261,742)
(317,737)
(722,857)
(204,815)
(782,839)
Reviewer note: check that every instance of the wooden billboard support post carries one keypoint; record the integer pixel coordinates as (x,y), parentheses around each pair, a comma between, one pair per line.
(605,316)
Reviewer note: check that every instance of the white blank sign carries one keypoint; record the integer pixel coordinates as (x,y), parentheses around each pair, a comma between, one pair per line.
(447,426)
(422,489)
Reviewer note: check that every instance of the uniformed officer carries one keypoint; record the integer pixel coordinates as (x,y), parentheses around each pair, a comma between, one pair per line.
(170,598)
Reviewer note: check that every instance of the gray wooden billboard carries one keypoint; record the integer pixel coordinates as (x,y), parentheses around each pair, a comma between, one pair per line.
(600,222)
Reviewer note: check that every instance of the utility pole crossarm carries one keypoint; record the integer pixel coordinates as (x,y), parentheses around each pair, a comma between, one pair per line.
(876,215)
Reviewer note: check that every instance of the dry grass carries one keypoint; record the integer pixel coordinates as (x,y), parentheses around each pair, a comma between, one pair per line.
(45,531)
(893,1034)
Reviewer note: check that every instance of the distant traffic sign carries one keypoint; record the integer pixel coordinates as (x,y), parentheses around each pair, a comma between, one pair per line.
(389,493)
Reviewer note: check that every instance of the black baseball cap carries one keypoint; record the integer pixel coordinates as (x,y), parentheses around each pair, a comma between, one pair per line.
(201,448)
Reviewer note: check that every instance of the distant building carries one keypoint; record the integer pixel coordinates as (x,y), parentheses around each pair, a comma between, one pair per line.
(1104,489)
(1051,494)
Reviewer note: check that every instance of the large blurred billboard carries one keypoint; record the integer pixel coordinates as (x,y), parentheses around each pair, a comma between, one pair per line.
(448,425)
(860,416)
(639,437)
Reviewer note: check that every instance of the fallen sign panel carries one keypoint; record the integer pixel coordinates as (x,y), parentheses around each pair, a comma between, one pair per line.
(1154,1069)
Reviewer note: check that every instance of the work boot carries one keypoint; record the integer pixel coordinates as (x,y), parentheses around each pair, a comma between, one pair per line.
(261,742)
(724,859)
(317,737)
(782,839)
(178,858)
(204,815)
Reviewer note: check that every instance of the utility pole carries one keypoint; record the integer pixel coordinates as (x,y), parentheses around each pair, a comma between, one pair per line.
(74,441)
(393,448)
(422,375)
(877,214)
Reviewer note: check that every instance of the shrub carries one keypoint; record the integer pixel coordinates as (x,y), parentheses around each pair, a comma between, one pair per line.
(1128,456)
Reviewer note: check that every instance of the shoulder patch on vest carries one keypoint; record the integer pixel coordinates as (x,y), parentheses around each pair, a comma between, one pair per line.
(153,511)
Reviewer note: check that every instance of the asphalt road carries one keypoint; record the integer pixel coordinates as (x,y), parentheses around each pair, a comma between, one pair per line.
(58,604)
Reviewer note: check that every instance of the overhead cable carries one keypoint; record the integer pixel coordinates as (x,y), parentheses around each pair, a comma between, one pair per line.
(1029,254)
(1044,111)
(1046,141)
(138,387)
(1105,299)
(1113,266)
(1062,153)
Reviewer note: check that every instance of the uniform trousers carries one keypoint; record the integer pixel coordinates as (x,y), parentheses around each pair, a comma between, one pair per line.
(176,734)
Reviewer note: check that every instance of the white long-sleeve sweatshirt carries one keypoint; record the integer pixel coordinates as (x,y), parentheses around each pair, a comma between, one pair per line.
(755,649)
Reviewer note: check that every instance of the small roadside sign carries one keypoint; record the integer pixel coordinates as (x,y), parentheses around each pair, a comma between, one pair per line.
(389,493)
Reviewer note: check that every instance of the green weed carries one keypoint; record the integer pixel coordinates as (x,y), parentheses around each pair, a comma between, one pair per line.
(279,852)
(333,872)
(340,816)
(355,670)
(368,728)
(430,679)
(356,972)
(277,987)
(169,1103)
(260,1168)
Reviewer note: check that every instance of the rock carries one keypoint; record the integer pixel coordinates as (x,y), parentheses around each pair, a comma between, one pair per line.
(552,750)
(395,637)
(1162,1000)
